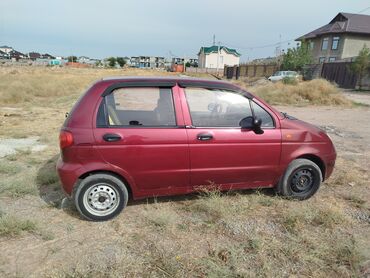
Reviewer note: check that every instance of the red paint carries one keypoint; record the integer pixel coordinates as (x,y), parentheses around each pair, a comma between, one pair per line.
(169,161)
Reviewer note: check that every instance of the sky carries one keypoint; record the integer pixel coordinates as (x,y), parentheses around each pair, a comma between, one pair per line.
(99,29)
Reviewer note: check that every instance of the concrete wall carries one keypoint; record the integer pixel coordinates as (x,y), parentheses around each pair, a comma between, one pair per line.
(349,46)
(210,60)
(353,44)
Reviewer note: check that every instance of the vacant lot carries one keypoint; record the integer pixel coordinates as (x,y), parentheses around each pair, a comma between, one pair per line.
(248,233)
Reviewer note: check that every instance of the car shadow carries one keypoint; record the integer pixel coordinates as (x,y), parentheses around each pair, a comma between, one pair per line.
(50,191)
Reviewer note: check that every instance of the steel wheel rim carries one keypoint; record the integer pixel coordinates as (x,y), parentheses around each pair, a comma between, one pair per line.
(101,199)
(302,181)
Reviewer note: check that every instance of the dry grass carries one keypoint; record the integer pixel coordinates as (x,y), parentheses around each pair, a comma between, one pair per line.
(11,226)
(315,92)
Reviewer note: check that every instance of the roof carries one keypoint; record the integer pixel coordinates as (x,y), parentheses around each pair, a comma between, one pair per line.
(342,23)
(216,48)
(172,80)
(4,46)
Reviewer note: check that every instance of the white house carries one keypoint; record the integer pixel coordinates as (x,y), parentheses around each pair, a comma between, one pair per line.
(217,57)
(6,49)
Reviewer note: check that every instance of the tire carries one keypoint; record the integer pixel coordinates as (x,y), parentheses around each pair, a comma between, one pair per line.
(301,180)
(100,197)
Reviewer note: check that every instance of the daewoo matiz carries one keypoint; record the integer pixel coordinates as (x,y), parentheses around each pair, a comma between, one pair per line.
(137,137)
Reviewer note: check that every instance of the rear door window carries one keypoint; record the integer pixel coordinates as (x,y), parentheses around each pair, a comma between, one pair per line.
(140,107)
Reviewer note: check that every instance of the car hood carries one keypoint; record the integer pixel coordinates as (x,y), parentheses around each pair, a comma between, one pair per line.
(296,130)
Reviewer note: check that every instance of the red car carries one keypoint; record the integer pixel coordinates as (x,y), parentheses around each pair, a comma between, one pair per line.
(138,137)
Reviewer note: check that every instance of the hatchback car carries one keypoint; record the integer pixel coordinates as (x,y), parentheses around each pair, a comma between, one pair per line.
(143,137)
(280,75)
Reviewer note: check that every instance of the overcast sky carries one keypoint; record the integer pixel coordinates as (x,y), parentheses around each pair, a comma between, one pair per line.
(98,28)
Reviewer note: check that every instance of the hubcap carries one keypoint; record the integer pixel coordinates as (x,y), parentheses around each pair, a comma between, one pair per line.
(101,199)
(302,181)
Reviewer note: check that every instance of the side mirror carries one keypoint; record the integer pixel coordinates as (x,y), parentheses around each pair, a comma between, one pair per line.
(251,123)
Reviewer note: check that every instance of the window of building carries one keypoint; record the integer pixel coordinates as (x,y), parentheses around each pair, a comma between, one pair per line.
(325,43)
(322,60)
(335,43)
(312,44)
(332,59)
(140,107)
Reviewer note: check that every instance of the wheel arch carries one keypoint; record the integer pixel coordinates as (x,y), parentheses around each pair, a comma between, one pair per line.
(120,177)
(317,160)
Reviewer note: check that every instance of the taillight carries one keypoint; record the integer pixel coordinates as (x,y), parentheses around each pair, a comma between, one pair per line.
(65,139)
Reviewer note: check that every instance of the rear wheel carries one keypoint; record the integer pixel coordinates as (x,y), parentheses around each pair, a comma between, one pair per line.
(301,179)
(100,197)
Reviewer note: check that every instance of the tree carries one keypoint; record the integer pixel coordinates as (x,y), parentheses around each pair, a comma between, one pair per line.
(111,62)
(72,59)
(121,61)
(188,65)
(296,58)
(361,65)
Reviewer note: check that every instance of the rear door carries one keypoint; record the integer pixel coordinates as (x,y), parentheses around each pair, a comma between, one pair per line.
(142,133)
(221,152)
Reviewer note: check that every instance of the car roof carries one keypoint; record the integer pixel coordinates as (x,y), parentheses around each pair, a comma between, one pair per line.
(182,81)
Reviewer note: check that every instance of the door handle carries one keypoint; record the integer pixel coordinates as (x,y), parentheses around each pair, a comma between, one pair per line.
(111,137)
(204,136)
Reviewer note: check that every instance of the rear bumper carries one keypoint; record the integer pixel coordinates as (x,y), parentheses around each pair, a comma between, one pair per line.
(68,175)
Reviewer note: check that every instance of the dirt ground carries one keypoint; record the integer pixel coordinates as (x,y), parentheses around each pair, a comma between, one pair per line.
(140,243)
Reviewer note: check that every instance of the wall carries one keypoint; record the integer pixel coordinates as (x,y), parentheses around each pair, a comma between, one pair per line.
(349,46)
(204,70)
(353,44)
(225,59)
(250,71)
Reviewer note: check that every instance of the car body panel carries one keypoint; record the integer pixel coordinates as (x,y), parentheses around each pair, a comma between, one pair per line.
(169,161)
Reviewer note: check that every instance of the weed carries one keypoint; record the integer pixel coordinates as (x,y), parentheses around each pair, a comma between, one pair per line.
(11,226)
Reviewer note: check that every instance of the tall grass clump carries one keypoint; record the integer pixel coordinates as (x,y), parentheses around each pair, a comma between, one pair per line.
(314,92)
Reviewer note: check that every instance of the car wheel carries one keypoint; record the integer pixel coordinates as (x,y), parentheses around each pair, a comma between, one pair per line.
(301,180)
(100,197)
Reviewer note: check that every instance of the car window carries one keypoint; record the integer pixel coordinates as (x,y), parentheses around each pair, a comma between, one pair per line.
(216,108)
(140,107)
(259,112)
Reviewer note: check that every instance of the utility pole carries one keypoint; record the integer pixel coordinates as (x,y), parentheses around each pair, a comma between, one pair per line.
(218,57)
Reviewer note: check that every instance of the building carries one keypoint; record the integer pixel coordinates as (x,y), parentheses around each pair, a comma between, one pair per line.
(16,55)
(217,57)
(3,55)
(341,39)
(6,49)
(193,62)
(147,62)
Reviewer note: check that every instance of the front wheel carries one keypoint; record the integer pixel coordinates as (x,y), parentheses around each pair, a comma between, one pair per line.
(301,180)
(100,197)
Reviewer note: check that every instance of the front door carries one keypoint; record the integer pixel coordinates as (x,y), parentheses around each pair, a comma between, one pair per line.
(223,154)
(142,137)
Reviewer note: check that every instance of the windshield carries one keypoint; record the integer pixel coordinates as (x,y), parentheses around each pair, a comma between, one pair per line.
(277,73)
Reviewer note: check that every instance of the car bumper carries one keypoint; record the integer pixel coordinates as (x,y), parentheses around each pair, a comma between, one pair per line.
(329,163)
(68,175)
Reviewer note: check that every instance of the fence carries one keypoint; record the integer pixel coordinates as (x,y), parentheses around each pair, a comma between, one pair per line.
(204,70)
(340,73)
(249,71)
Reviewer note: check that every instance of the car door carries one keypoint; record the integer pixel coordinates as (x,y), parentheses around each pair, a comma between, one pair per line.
(142,134)
(221,152)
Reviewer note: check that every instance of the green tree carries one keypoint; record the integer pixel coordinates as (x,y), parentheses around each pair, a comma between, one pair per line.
(112,62)
(361,65)
(72,59)
(297,57)
(121,61)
